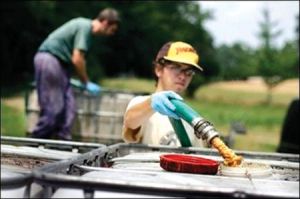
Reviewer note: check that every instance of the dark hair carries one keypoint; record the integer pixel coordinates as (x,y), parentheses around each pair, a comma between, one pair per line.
(161,62)
(163,51)
(109,14)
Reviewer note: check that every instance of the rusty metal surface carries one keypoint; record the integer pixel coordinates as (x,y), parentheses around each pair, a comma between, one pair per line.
(25,162)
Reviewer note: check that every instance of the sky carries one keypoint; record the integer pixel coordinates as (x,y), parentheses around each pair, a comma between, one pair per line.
(235,21)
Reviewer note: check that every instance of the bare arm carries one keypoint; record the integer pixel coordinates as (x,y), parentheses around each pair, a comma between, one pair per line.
(134,118)
(78,59)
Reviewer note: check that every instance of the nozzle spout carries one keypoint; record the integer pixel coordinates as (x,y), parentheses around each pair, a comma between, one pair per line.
(206,131)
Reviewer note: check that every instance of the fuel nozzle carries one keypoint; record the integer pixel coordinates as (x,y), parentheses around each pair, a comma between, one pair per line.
(203,128)
(206,131)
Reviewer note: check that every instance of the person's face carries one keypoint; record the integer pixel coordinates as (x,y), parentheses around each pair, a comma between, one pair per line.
(175,76)
(110,28)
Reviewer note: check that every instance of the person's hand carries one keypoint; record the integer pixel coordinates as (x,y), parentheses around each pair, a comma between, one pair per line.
(161,103)
(93,88)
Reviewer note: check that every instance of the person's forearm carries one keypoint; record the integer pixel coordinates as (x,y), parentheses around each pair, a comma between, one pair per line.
(81,71)
(138,114)
(80,66)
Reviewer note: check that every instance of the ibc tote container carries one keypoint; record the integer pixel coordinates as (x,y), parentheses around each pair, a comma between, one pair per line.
(98,118)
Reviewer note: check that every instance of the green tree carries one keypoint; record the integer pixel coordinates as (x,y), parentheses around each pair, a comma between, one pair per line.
(288,56)
(192,30)
(268,66)
(288,60)
(236,61)
(145,26)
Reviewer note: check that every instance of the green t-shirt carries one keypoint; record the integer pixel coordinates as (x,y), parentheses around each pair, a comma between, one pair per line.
(75,34)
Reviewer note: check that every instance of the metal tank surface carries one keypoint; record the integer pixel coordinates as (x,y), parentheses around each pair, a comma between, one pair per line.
(133,170)
(19,156)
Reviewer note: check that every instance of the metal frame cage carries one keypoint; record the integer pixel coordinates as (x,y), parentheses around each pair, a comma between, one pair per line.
(93,172)
(99,118)
(20,156)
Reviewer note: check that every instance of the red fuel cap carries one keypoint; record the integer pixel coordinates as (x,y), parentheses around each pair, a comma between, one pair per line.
(188,164)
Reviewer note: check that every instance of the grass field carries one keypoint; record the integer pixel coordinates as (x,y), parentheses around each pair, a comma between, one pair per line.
(221,103)
(12,121)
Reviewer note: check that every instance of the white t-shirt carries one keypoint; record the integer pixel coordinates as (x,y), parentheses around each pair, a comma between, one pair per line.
(158,130)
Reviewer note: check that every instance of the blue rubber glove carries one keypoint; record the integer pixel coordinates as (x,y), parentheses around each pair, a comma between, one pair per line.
(93,88)
(160,102)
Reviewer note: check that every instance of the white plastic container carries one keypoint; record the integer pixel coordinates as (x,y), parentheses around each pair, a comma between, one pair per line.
(247,169)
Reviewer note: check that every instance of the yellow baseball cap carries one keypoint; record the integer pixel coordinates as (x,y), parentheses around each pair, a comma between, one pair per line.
(179,52)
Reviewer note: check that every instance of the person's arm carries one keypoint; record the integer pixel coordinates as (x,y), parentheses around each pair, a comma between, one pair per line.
(134,117)
(138,114)
(78,59)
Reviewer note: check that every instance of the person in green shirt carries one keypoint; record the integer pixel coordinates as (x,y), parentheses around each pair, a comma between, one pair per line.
(64,48)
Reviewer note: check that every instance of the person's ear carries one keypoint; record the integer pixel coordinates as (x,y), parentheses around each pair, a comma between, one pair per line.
(158,70)
(105,23)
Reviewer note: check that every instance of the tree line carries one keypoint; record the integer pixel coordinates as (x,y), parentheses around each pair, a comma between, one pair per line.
(145,26)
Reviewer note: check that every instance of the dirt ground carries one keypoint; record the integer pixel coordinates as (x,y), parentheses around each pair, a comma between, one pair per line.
(256,84)
(15,102)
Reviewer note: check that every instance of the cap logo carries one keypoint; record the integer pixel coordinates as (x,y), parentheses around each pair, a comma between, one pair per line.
(184,49)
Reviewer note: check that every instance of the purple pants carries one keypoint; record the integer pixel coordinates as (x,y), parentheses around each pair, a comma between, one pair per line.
(56,100)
